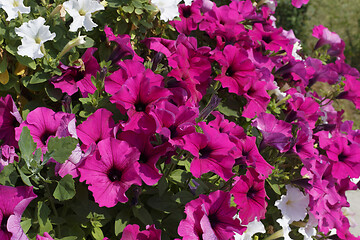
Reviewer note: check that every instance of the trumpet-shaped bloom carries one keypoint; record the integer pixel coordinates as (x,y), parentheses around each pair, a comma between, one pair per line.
(210,217)
(9,119)
(13,8)
(111,171)
(293,205)
(132,232)
(249,195)
(80,11)
(168,8)
(34,34)
(13,202)
(7,155)
(211,152)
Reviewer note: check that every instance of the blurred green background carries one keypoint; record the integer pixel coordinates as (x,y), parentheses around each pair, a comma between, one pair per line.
(340,16)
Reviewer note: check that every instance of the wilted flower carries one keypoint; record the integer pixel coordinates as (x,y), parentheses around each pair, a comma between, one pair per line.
(34,34)
(80,11)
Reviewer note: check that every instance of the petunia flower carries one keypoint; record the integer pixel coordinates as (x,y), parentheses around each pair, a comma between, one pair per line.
(45,237)
(78,77)
(13,202)
(9,119)
(34,34)
(111,171)
(293,205)
(80,11)
(132,232)
(13,8)
(299,3)
(7,155)
(210,217)
(168,8)
(249,195)
(252,228)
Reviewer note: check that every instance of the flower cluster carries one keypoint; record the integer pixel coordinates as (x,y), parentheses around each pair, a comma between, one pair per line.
(209,135)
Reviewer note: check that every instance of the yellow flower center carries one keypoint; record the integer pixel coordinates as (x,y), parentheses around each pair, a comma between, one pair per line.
(82,12)
(37,40)
(15,3)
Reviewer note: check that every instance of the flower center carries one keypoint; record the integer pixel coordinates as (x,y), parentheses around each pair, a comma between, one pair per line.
(251,193)
(3,226)
(143,158)
(82,12)
(140,107)
(45,136)
(205,152)
(15,3)
(114,174)
(37,40)
(229,72)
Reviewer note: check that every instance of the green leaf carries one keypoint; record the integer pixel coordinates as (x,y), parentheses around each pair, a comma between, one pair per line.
(97,233)
(26,61)
(54,94)
(89,42)
(39,77)
(43,213)
(24,177)
(128,9)
(61,148)
(138,11)
(180,176)
(65,189)
(25,225)
(27,145)
(183,197)
(122,219)
(8,176)
(274,186)
(163,203)
(163,186)
(3,65)
(142,214)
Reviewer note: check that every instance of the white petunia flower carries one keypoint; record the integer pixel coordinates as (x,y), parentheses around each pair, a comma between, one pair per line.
(168,8)
(293,205)
(13,8)
(80,11)
(296,47)
(309,230)
(284,223)
(252,228)
(34,34)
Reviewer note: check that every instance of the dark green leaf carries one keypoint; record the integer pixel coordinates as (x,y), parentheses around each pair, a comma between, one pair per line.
(39,77)
(65,189)
(163,203)
(61,148)
(121,220)
(142,214)
(27,145)
(43,217)
(9,175)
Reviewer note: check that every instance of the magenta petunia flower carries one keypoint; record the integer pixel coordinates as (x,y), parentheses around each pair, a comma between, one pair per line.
(299,3)
(13,202)
(337,45)
(132,232)
(211,152)
(247,153)
(351,91)
(149,155)
(43,124)
(9,119)
(237,69)
(190,17)
(7,155)
(138,96)
(95,128)
(249,195)
(45,237)
(123,48)
(210,217)
(276,133)
(175,122)
(78,77)
(111,171)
